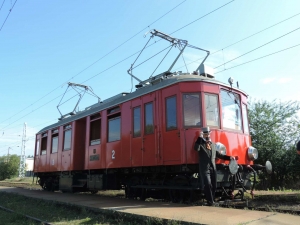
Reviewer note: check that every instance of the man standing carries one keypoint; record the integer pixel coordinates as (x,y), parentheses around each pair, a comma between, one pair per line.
(207,166)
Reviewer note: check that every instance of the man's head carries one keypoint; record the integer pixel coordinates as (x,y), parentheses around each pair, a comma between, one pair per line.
(206,133)
(298,147)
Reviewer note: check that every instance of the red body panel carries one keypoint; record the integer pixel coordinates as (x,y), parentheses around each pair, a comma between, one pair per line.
(162,147)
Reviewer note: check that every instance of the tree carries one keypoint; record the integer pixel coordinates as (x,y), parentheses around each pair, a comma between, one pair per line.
(9,166)
(274,128)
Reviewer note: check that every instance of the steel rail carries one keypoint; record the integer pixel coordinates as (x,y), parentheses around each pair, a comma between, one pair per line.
(29,217)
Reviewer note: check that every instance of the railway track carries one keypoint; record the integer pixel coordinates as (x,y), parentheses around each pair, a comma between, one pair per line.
(26,216)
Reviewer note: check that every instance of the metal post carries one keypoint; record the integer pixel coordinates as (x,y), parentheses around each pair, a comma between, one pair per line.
(22,167)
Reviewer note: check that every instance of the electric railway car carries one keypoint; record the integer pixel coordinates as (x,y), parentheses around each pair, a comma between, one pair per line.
(143,142)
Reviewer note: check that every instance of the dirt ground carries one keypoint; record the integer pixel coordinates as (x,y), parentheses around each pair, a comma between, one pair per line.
(282,201)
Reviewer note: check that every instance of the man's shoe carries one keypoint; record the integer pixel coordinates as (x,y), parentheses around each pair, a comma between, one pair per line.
(212,204)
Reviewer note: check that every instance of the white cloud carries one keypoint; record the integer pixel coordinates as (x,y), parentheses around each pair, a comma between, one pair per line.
(284,80)
(268,80)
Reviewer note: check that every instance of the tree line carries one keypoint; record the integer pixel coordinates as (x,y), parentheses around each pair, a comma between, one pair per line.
(9,166)
(274,129)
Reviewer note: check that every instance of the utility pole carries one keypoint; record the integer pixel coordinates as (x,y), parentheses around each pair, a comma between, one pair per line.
(22,167)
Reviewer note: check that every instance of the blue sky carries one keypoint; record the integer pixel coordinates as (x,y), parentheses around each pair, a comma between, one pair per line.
(45,44)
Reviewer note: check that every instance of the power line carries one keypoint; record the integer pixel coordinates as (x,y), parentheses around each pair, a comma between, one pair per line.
(203,16)
(243,39)
(97,60)
(110,66)
(259,58)
(257,33)
(2,4)
(8,14)
(259,47)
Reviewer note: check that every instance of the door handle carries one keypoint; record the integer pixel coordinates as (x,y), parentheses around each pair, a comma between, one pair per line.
(178,133)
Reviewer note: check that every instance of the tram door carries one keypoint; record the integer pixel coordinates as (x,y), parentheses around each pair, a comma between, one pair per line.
(143,144)
(136,133)
(149,130)
(170,112)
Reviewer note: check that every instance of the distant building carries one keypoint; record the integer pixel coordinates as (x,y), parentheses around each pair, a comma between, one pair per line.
(29,167)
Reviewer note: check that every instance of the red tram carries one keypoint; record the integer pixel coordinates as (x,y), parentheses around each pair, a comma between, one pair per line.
(143,141)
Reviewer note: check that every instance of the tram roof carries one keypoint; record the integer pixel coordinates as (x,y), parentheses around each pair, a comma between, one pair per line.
(123,97)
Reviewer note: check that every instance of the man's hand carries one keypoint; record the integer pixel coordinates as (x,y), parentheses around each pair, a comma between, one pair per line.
(234,157)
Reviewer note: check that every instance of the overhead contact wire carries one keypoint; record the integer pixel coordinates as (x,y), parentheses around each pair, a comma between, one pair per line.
(259,58)
(8,14)
(259,47)
(98,59)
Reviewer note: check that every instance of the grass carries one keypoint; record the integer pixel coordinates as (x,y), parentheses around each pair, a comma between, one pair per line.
(9,218)
(60,213)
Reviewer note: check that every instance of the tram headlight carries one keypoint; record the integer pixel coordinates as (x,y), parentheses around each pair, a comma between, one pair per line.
(252,153)
(221,148)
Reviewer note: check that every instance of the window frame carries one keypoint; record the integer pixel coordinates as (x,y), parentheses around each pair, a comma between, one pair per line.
(95,118)
(37,147)
(116,116)
(166,113)
(140,122)
(218,105)
(200,110)
(67,128)
(44,139)
(240,114)
(245,110)
(145,117)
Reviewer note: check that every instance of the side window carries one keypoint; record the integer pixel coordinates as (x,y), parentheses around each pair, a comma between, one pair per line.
(137,121)
(54,143)
(114,129)
(44,144)
(67,137)
(37,147)
(149,124)
(245,119)
(95,129)
(191,110)
(171,113)
(212,110)
(231,110)
(114,124)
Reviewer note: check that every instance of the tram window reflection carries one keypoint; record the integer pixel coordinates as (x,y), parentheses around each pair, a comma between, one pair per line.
(212,110)
(231,110)
(191,110)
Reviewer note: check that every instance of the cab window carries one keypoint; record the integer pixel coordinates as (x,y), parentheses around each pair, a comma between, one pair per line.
(191,110)
(231,110)
(245,119)
(212,110)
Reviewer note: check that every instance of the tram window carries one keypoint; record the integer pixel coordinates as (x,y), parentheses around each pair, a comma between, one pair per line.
(44,144)
(114,128)
(54,144)
(171,113)
(212,110)
(95,132)
(231,110)
(245,119)
(67,139)
(137,122)
(37,147)
(149,126)
(191,110)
